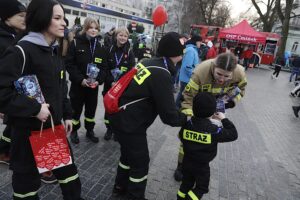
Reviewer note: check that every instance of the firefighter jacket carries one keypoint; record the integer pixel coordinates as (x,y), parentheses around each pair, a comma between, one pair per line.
(202,80)
(153,87)
(7,37)
(200,138)
(41,60)
(83,51)
(121,58)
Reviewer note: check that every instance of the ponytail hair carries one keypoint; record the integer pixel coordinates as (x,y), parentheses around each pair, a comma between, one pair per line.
(226,61)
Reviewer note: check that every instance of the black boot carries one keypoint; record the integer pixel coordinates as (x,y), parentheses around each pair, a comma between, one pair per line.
(178,173)
(74,137)
(91,135)
(118,191)
(296,110)
(108,134)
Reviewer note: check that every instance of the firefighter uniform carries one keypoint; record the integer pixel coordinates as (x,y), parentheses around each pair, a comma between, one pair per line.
(84,51)
(200,138)
(152,86)
(202,80)
(21,109)
(121,58)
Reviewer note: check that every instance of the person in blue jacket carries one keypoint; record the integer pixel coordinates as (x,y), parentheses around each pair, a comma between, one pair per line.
(189,61)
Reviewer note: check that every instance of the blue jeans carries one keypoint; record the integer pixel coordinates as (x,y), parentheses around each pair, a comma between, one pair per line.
(294,72)
(179,96)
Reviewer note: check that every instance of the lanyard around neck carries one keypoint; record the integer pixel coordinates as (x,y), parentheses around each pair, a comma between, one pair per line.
(165,62)
(94,47)
(118,61)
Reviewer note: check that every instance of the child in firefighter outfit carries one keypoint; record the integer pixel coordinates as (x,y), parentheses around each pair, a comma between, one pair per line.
(200,137)
(153,86)
(38,54)
(86,58)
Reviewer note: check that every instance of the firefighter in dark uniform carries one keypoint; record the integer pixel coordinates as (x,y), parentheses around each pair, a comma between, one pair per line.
(12,14)
(45,23)
(200,137)
(86,54)
(120,60)
(152,89)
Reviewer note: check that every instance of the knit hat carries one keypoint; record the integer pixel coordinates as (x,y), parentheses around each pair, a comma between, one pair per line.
(210,44)
(204,105)
(9,8)
(170,45)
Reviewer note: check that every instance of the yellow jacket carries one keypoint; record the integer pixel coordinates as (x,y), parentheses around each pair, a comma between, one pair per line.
(202,80)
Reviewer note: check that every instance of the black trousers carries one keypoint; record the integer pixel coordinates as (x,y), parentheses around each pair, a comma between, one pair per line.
(26,179)
(5,140)
(277,71)
(194,173)
(106,87)
(88,98)
(134,163)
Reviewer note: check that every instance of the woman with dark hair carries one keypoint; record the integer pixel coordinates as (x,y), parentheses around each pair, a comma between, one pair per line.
(85,51)
(44,24)
(222,77)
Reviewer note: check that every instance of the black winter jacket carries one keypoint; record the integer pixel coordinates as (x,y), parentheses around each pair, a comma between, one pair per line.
(42,61)
(156,86)
(79,55)
(7,37)
(126,63)
(200,138)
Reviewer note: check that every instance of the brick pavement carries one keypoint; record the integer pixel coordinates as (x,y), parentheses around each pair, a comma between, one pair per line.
(264,163)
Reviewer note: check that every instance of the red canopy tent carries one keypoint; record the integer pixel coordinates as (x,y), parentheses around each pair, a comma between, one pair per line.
(242,32)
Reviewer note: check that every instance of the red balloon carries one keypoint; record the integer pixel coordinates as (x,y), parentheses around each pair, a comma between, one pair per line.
(159,15)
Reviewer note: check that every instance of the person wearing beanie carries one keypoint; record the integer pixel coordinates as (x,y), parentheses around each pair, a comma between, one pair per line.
(150,93)
(189,61)
(200,137)
(12,15)
(223,78)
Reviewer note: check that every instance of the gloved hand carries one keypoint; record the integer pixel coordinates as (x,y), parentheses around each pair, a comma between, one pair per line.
(229,104)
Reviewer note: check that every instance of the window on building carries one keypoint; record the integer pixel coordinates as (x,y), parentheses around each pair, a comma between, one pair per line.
(67,11)
(83,14)
(295,46)
(75,12)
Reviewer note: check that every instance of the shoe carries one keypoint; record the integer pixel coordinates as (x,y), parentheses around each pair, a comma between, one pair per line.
(296,110)
(4,159)
(48,178)
(118,191)
(178,175)
(108,134)
(74,137)
(292,94)
(91,135)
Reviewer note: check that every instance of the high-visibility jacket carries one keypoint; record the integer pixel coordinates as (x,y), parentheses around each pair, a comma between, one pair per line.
(202,80)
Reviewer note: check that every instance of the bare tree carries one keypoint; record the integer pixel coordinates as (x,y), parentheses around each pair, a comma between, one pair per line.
(284,17)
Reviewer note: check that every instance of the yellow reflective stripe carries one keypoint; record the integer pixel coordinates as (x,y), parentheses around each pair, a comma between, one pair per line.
(206,88)
(217,90)
(238,97)
(193,85)
(181,150)
(124,69)
(106,121)
(194,136)
(188,112)
(67,180)
(138,180)
(242,83)
(123,166)
(61,74)
(6,139)
(25,195)
(181,194)
(75,122)
(141,74)
(192,195)
(89,119)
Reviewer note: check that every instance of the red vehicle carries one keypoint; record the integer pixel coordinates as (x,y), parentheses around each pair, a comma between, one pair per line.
(269,50)
(206,32)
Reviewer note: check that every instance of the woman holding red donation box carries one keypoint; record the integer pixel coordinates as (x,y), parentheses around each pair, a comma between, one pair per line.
(36,55)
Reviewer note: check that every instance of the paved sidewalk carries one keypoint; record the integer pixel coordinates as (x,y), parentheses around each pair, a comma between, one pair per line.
(264,163)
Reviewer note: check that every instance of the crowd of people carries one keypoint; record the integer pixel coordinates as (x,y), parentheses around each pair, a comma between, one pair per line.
(34,40)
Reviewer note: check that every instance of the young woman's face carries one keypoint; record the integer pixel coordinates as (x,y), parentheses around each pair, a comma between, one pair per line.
(122,38)
(92,30)
(221,76)
(57,25)
(17,21)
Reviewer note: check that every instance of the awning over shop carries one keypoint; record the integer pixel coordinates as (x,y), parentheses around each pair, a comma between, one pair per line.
(242,32)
